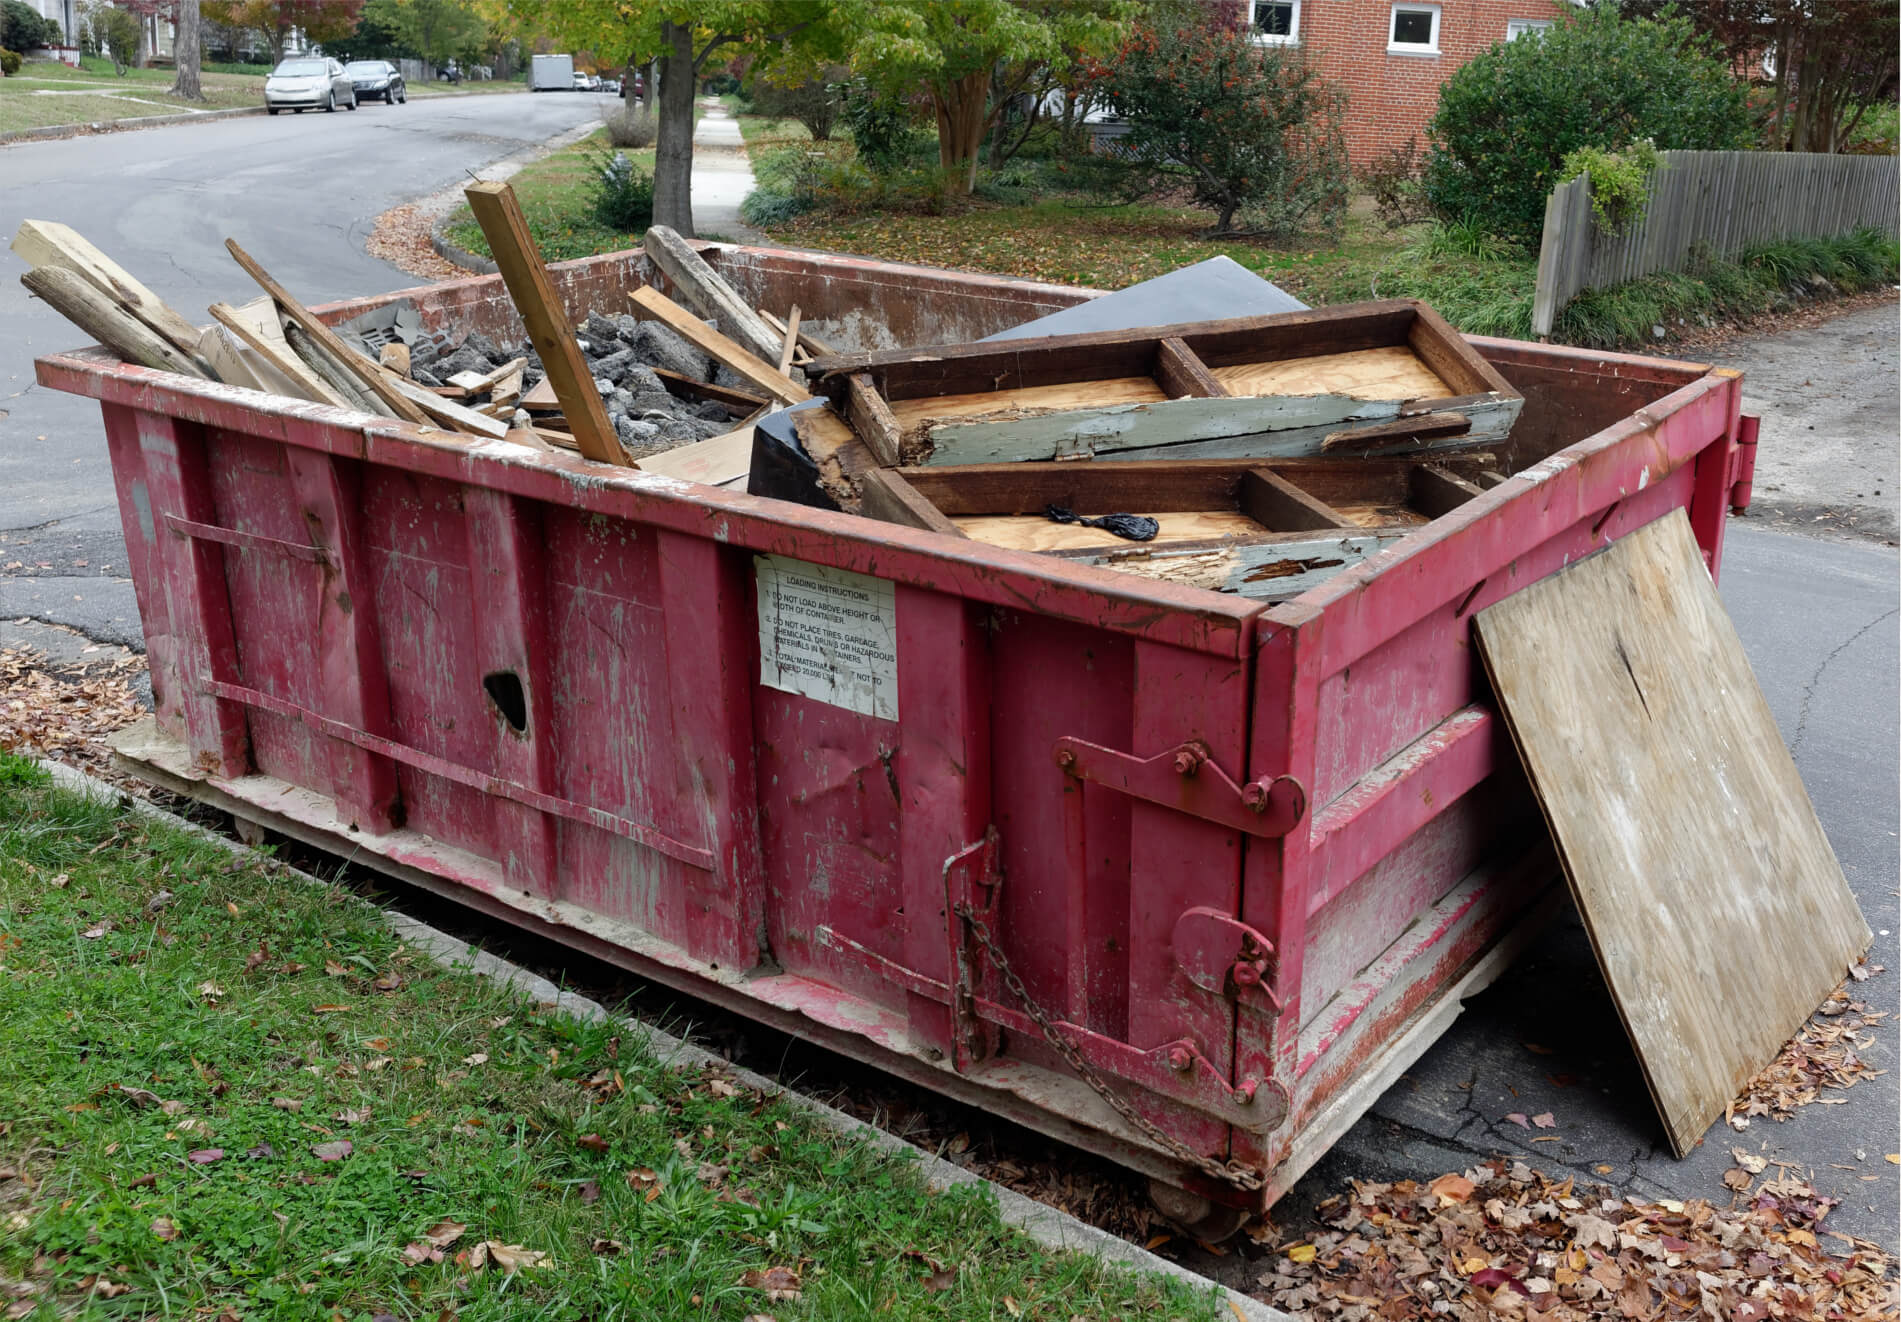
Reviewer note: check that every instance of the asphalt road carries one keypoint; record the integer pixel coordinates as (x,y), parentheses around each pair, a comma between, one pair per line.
(1819,617)
(299,192)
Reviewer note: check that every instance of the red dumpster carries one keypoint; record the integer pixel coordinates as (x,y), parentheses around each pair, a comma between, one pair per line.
(1175,876)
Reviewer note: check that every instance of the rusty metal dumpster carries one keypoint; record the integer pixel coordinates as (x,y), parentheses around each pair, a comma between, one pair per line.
(1171,875)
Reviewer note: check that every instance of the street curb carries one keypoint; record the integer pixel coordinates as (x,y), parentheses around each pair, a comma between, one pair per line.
(494,170)
(124,125)
(1047,1226)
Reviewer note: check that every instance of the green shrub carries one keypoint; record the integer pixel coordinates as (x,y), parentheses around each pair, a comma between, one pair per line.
(722,83)
(1399,195)
(1247,130)
(622,194)
(22,28)
(814,103)
(10,62)
(1509,117)
(1620,181)
(880,123)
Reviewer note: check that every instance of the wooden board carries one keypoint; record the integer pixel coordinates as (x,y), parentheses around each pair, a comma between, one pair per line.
(1718,912)
(270,346)
(1266,569)
(49,243)
(519,261)
(716,460)
(913,414)
(1034,532)
(656,306)
(1390,372)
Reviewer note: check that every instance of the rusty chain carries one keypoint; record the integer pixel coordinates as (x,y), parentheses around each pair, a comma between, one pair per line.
(1228,1172)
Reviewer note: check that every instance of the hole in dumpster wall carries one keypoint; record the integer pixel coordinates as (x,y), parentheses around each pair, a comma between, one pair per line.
(505,691)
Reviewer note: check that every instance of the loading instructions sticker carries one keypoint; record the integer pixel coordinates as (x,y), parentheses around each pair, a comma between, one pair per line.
(828,634)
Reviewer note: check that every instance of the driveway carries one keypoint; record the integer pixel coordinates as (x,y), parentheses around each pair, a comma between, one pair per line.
(299,192)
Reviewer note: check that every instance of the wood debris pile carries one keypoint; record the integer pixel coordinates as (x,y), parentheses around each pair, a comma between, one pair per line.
(65,713)
(1829,1052)
(621,390)
(1502,1240)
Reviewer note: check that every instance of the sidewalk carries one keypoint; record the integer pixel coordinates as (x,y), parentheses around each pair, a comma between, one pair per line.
(722,176)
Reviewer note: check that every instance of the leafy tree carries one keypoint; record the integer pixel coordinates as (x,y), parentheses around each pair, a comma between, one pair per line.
(437,30)
(1507,119)
(117,31)
(1241,126)
(974,56)
(1828,61)
(683,34)
(814,100)
(273,21)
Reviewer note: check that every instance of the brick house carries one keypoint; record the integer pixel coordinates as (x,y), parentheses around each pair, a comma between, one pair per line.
(1392,55)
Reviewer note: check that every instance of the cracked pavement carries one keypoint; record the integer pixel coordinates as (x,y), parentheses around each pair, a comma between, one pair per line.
(1817,613)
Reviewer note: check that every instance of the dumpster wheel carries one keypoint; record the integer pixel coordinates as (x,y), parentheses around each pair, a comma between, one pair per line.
(1195,1216)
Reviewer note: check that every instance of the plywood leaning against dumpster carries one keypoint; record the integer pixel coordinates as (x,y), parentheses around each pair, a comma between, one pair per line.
(1712,898)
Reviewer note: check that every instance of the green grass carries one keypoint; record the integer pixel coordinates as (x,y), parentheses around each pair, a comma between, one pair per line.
(189,1037)
(554,193)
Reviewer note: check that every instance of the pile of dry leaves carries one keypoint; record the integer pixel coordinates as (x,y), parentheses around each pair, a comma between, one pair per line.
(1829,1052)
(64,712)
(1503,1240)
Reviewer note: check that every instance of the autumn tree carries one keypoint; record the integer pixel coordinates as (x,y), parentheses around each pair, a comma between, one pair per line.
(974,56)
(437,30)
(275,20)
(1827,62)
(683,34)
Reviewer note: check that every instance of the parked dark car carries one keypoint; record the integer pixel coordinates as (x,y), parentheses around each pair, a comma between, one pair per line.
(308,82)
(377,80)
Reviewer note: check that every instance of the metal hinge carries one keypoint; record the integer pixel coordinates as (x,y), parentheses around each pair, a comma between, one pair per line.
(1221,954)
(1189,780)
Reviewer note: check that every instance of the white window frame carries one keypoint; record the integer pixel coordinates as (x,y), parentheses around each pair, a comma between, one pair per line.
(1265,38)
(1412,47)
(1524,27)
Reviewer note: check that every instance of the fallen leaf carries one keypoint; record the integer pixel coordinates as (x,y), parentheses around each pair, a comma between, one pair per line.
(332,1151)
(107,1289)
(164,1228)
(1518,1118)
(97,930)
(781,1284)
(146,1181)
(512,1258)
(1544,1120)
(605,1248)
(205,1156)
(1738,1179)
(287,1104)
(593,1142)
(590,1191)
(1011,1307)
(444,1233)
(1302,1253)
(353,1115)
(479,1058)
(211,991)
(1450,1189)
(260,1152)
(1894,1158)
(328,1009)
(941,1280)
(140,1096)
(416,1254)
(1749,1161)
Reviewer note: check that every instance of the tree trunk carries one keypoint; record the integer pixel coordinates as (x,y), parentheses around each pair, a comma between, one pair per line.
(673,152)
(652,89)
(961,120)
(186,52)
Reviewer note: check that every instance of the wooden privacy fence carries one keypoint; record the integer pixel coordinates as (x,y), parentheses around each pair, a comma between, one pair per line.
(1708,203)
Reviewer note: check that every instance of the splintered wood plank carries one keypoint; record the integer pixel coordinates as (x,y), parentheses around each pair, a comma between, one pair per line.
(915,413)
(101,317)
(705,291)
(883,494)
(1261,569)
(716,460)
(546,319)
(49,243)
(276,351)
(1391,372)
(371,374)
(872,419)
(1715,905)
(656,306)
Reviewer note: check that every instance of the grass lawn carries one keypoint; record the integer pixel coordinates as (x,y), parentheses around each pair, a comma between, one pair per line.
(554,193)
(230,1094)
(46,92)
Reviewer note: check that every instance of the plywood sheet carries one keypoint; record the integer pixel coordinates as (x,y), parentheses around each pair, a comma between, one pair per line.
(1718,912)
(912,413)
(1390,372)
(1033,532)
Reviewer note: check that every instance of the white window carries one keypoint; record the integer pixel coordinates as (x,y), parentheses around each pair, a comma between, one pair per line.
(1276,21)
(1522,27)
(1414,30)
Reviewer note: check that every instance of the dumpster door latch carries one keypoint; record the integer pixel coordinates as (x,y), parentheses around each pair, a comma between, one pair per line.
(1221,954)
(1187,779)
(971,880)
